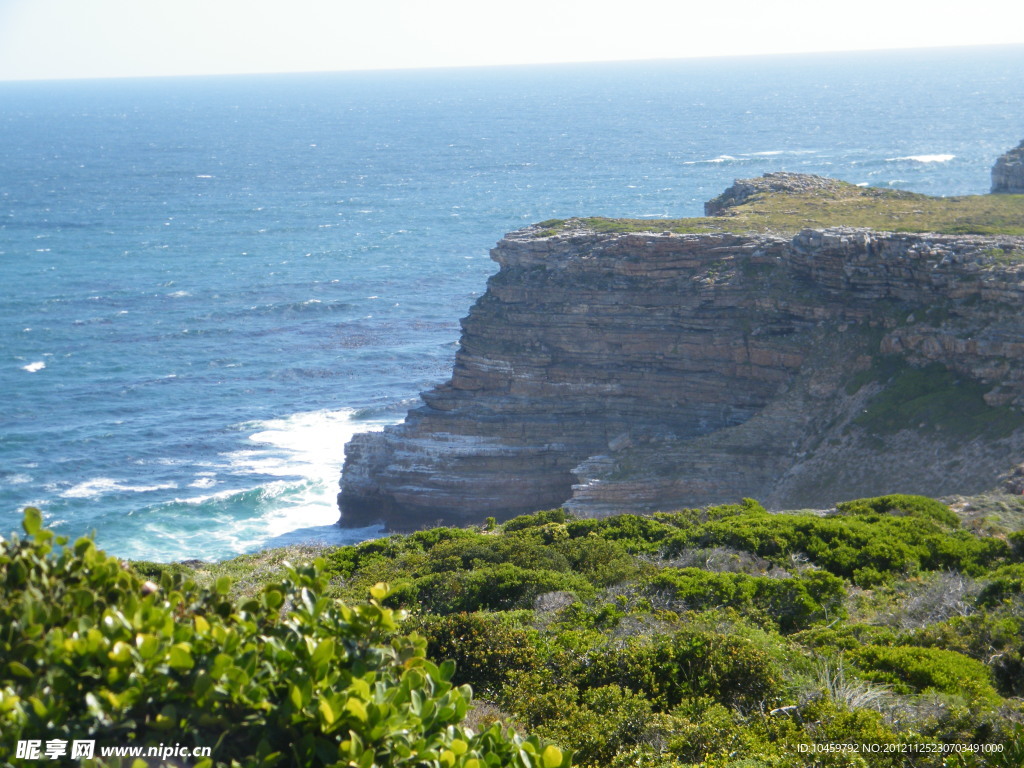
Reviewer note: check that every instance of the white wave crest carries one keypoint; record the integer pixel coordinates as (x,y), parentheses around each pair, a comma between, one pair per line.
(38,365)
(99,486)
(921,159)
(719,159)
(304,446)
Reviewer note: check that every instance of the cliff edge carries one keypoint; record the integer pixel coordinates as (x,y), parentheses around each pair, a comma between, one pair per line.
(807,341)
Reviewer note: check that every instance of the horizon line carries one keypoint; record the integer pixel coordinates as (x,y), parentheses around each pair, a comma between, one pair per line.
(511,65)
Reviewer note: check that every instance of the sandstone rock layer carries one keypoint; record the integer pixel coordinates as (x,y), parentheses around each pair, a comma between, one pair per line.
(613,372)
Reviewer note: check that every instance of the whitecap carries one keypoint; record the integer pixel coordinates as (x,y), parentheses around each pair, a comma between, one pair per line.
(91,489)
(938,158)
(38,365)
(305,447)
(719,159)
(178,294)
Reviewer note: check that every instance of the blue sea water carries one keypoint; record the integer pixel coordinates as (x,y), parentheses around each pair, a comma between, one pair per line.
(208,284)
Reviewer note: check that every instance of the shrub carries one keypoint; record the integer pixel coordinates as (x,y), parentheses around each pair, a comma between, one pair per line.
(910,669)
(667,669)
(602,562)
(602,723)
(521,550)
(1005,584)
(991,637)
(793,603)
(900,504)
(868,549)
(485,649)
(289,678)
(535,520)
(495,587)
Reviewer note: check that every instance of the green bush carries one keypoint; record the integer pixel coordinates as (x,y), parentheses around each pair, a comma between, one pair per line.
(792,604)
(600,561)
(666,669)
(596,723)
(910,669)
(88,650)
(486,650)
(494,587)
(902,505)
(991,637)
(518,549)
(867,549)
(1005,584)
(535,520)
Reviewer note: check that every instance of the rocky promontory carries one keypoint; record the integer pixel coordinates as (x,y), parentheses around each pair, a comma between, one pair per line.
(1008,172)
(805,342)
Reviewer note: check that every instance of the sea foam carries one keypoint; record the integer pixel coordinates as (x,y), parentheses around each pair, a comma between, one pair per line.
(939,158)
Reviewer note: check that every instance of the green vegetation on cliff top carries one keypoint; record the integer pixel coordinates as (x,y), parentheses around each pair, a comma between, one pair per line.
(838,204)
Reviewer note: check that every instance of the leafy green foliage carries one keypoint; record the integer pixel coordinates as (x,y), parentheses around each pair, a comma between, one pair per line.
(289,678)
(667,669)
(867,549)
(992,637)
(793,603)
(1005,584)
(487,651)
(903,505)
(908,668)
(497,587)
(723,637)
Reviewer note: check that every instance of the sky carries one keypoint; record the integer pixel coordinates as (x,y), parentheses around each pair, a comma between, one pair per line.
(62,39)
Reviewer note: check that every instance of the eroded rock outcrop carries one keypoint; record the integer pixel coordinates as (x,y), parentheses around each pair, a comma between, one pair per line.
(1008,172)
(614,372)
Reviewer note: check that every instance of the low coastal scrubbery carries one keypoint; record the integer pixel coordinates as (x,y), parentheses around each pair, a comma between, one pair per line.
(725,637)
(90,651)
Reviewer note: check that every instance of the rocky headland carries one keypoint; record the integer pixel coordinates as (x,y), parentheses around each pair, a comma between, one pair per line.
(806,341)
(1008,172)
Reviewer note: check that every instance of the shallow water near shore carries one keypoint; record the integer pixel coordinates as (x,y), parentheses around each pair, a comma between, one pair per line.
(209,284)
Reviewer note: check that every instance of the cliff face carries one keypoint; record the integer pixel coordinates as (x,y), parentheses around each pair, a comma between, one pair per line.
(628,371)
(1008,172)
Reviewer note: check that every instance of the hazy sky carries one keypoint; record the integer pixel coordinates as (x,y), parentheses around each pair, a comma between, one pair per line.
(116,38)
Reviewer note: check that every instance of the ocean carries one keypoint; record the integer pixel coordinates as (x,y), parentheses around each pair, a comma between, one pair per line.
(208,284)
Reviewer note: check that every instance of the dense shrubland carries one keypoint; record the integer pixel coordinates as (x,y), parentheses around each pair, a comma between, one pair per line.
(726,636)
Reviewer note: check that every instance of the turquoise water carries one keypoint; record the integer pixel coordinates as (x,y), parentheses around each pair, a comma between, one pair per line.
(208,284)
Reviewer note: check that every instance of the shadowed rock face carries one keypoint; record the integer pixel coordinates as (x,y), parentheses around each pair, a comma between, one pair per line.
(1008,172)
(642,371)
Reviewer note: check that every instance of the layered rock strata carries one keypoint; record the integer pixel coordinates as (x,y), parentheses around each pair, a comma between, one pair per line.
(613,372)
(1008,172)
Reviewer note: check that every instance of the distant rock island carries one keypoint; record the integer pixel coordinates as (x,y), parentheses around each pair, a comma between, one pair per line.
(807,341)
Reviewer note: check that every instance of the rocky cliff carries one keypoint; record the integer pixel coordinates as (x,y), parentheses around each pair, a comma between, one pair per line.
(1008,172)
(613,369)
